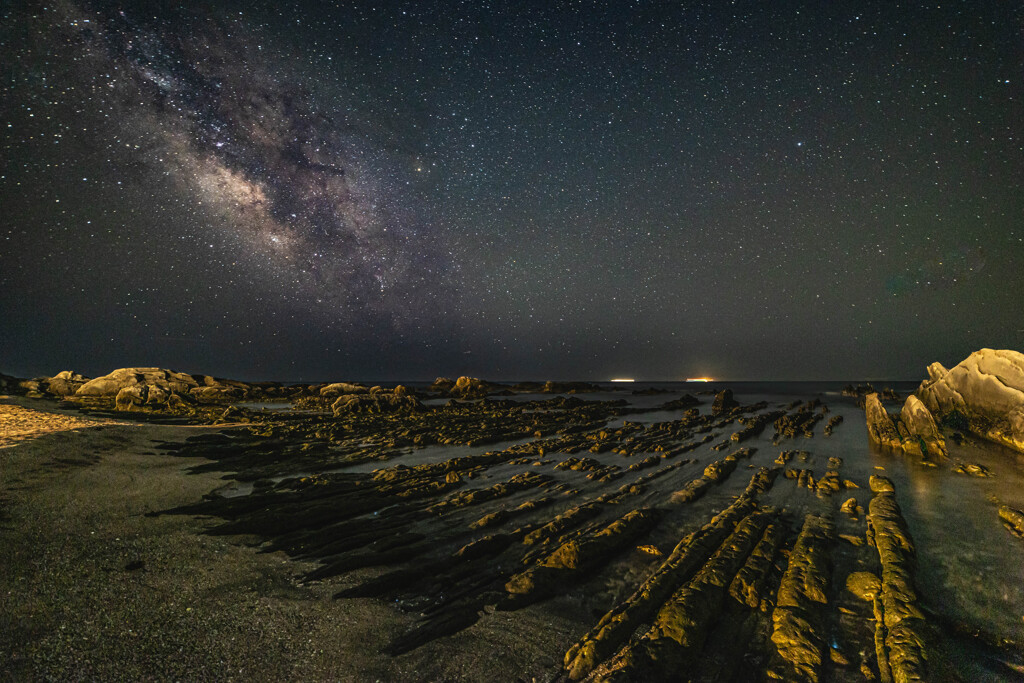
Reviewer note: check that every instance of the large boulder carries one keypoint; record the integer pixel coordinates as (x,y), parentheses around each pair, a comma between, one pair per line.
(983,394)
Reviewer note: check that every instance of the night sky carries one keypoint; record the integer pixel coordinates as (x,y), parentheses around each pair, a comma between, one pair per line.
(512,190)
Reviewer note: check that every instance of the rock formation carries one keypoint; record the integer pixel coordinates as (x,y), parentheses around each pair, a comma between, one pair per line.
(984,394)
(914,431)
(64,383)
(724,402)
(157,386)
(111,384)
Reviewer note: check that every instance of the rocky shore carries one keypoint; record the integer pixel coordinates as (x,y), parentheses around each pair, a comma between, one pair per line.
(428,533)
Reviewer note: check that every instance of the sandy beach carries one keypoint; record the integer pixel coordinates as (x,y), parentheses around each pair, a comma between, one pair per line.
(93,589)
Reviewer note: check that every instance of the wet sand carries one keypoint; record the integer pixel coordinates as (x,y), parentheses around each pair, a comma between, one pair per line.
(93,589)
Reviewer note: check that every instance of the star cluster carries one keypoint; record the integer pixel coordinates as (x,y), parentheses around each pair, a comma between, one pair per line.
(581,189)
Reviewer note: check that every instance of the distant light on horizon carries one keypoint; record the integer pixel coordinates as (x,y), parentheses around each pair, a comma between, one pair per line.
(700,379)
(622,379)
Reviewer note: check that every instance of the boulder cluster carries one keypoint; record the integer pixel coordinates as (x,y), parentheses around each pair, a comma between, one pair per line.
(156,387)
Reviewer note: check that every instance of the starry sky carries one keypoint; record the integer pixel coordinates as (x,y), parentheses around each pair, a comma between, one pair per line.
(513,190)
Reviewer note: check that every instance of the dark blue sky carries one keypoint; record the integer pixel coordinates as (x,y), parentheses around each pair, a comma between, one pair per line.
(746,190)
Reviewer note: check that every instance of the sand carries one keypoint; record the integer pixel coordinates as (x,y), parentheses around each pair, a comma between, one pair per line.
(93,589)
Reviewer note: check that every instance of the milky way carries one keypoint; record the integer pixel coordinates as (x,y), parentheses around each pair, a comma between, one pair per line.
(314,203)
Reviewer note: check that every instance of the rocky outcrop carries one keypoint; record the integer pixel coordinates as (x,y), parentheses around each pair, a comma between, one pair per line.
(157,386)
(881,429)
(914,431)
(111,384)
(984,394)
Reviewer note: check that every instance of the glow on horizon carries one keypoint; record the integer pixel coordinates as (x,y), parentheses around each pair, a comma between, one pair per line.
(622,379)
(700,379)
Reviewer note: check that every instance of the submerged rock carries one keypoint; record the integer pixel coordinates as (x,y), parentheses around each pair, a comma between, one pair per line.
(984,394)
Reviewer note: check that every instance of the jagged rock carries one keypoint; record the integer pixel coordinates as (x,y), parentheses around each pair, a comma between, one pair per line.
(984,393)
(921,425)
(724,402)
(914,431)
(373,403)
(881,428)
